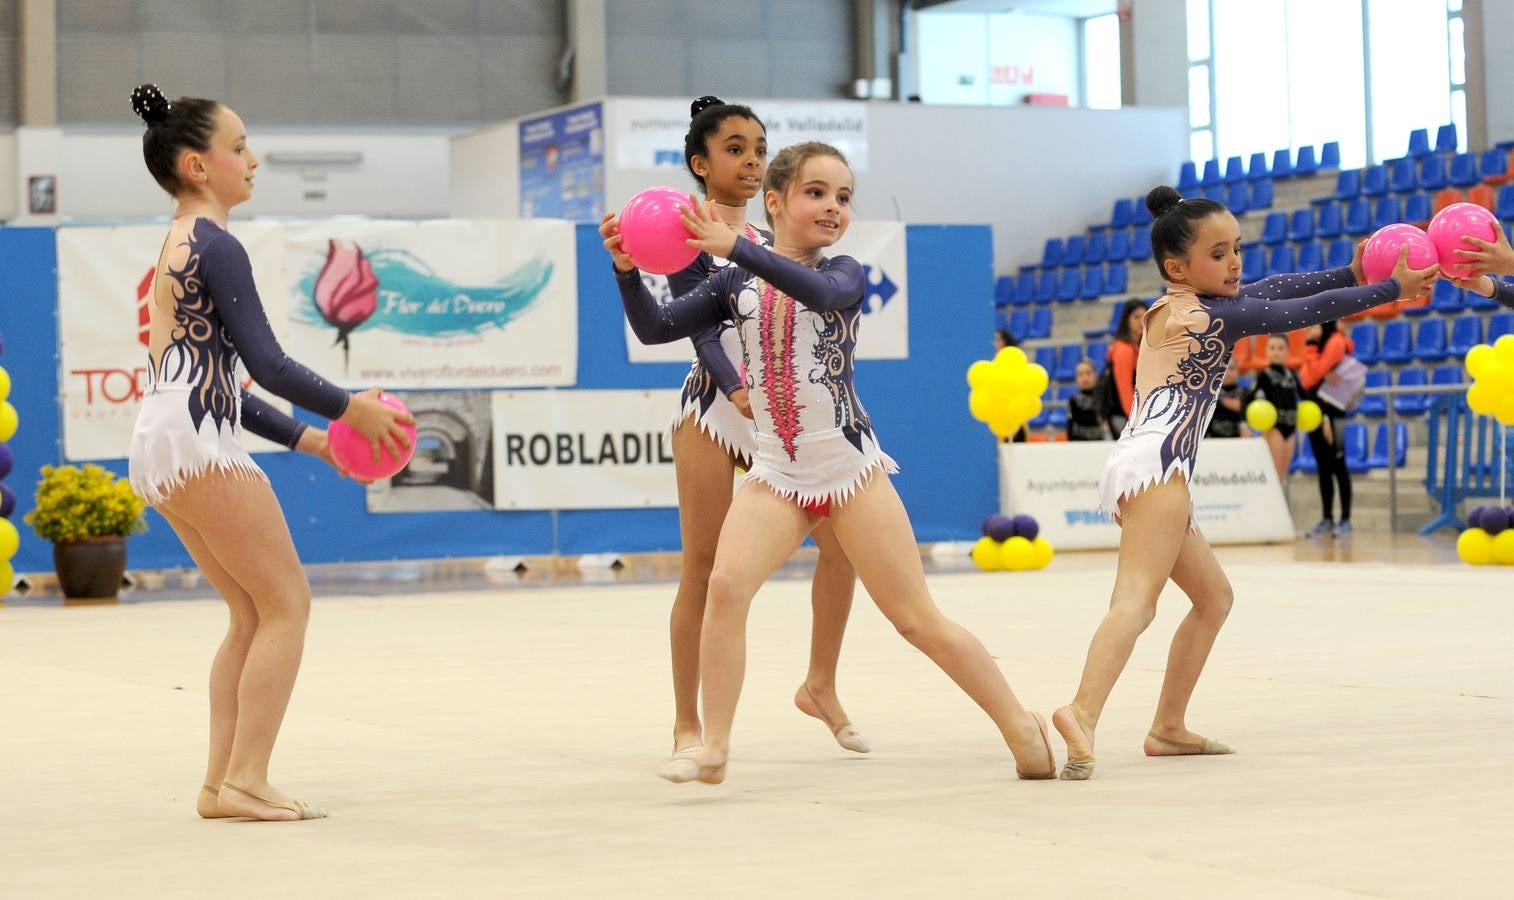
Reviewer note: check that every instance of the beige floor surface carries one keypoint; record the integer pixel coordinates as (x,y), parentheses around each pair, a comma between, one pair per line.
(501,744)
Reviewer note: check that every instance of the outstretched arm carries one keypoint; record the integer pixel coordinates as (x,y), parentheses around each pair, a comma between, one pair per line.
(1299,284)
(836,284)
(1245,316)
(228,280)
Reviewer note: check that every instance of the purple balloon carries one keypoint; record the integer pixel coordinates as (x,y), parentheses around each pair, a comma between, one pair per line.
(1000,528)
(1026,527)
(7,460)
(1474,518)
(1494,520)
(7,501)
(2,343)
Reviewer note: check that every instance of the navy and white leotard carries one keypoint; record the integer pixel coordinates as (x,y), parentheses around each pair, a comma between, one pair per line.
(715,374)
(798,331)
(194,408)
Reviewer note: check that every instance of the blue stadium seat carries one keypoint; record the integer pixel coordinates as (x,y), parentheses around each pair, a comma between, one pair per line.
(1004,291)
(1402,176)
(1122,214)
(1211,174)
(1330,156)
(1067,362)
(1118,281)
(1188,177)
(1394,343)
(1375,405)
(1301,227)
(1432,173)
(1237,198)
(1098,351)
(1261,194)
(1140,243)
(1445,297)
(1417,208)
(1058,417)
(1281,259)
(1254,265)
(1234,170)
(1500,325)
(1052,254)
(1504,208)
(1093,283)
(1411,404)
(1329,225)
(1114,324)
(1430,340)
(1119,245)
(1445,139)
(1464,170)
(1356,447)
(1303,458)
(1340,253)
(1040,323)
(1358,221)
(1419,143)
(1142,214)
(1025,287)
(1046,358)
(1097,248)
(1258,168)
(1304,164)
(1375,181)
(1042,419)
(1379,457)
(1282,164)
(1215,192)
(1466,333)
(1388,212)
(1311,257)
(1046,289)
(1069,285)
(1495,162)
(1364,337)
(1348,184)
(1072,251)
(1019,325)
(1478,303)
(1275,228)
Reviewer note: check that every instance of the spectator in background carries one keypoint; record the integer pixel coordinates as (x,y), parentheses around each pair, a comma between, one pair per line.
(1326,346)
(1003,339)
(1083,420)
(1121,365)
(1226,422)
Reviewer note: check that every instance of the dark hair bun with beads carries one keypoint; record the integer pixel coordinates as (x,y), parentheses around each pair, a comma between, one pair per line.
(149,103)
(1161,200)
(704,103)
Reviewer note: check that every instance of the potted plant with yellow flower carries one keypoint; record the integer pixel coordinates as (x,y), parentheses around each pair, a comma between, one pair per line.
(87,513)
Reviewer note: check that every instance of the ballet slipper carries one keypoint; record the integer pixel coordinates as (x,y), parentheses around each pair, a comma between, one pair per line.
(846,734)
(1206,747)
(683,768)
(304,811)
(214,793)
(1077,768)
(1051,761)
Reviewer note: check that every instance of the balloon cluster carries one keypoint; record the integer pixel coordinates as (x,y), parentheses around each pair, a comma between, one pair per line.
(1006,393)
(1011,544)
(10,538)
(1262,415)
(1492,371)
(1489,537)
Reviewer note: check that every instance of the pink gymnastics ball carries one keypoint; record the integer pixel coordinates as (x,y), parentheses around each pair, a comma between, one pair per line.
(1448,227)
(353,452)
(1380,256)
(652,232)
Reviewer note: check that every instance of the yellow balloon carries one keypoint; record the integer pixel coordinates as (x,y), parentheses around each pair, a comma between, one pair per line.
(1261,415)
(1475,547)
(1003,427)
(998,381)
(980,405)
(1309,416)
(1503,411)
(1503,547)
(1481,398)
(10,539)
(986,554)
(1041,553)
(1503,348)
(7,578)
(1017,554)
(1478,357)
(1493,373)
(9,421)
(1040,380)
(5,384)
(1012,357)
(1035,408)
(977,373)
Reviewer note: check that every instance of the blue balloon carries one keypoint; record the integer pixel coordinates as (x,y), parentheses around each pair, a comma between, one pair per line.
(7,501)
(1494,520)
(999,528)
(1026,527)
(7,460)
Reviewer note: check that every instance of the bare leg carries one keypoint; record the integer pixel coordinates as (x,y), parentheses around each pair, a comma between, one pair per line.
(1198,573)
(874,529)
(226,669)
(831,602)
(1153,526)
(705,472)
(1282,452)
(241,524)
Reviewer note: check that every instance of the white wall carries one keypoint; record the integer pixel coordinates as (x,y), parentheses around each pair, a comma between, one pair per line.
(995,60)
(1030,172)
(8,198)
(1498,66)
(483,175)
(102,176)
(1160,50)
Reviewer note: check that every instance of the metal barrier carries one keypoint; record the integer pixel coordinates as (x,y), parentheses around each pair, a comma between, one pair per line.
(1474,458)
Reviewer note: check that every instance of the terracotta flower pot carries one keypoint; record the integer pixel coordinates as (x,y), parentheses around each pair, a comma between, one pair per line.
(91,569)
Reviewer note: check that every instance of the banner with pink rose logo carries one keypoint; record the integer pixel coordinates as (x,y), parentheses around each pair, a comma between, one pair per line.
(477,303)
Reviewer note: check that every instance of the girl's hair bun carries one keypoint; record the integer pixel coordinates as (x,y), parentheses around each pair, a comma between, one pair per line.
(149,103)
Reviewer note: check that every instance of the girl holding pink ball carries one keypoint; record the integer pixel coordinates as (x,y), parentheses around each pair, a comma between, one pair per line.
(187,458)
(1484,258)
